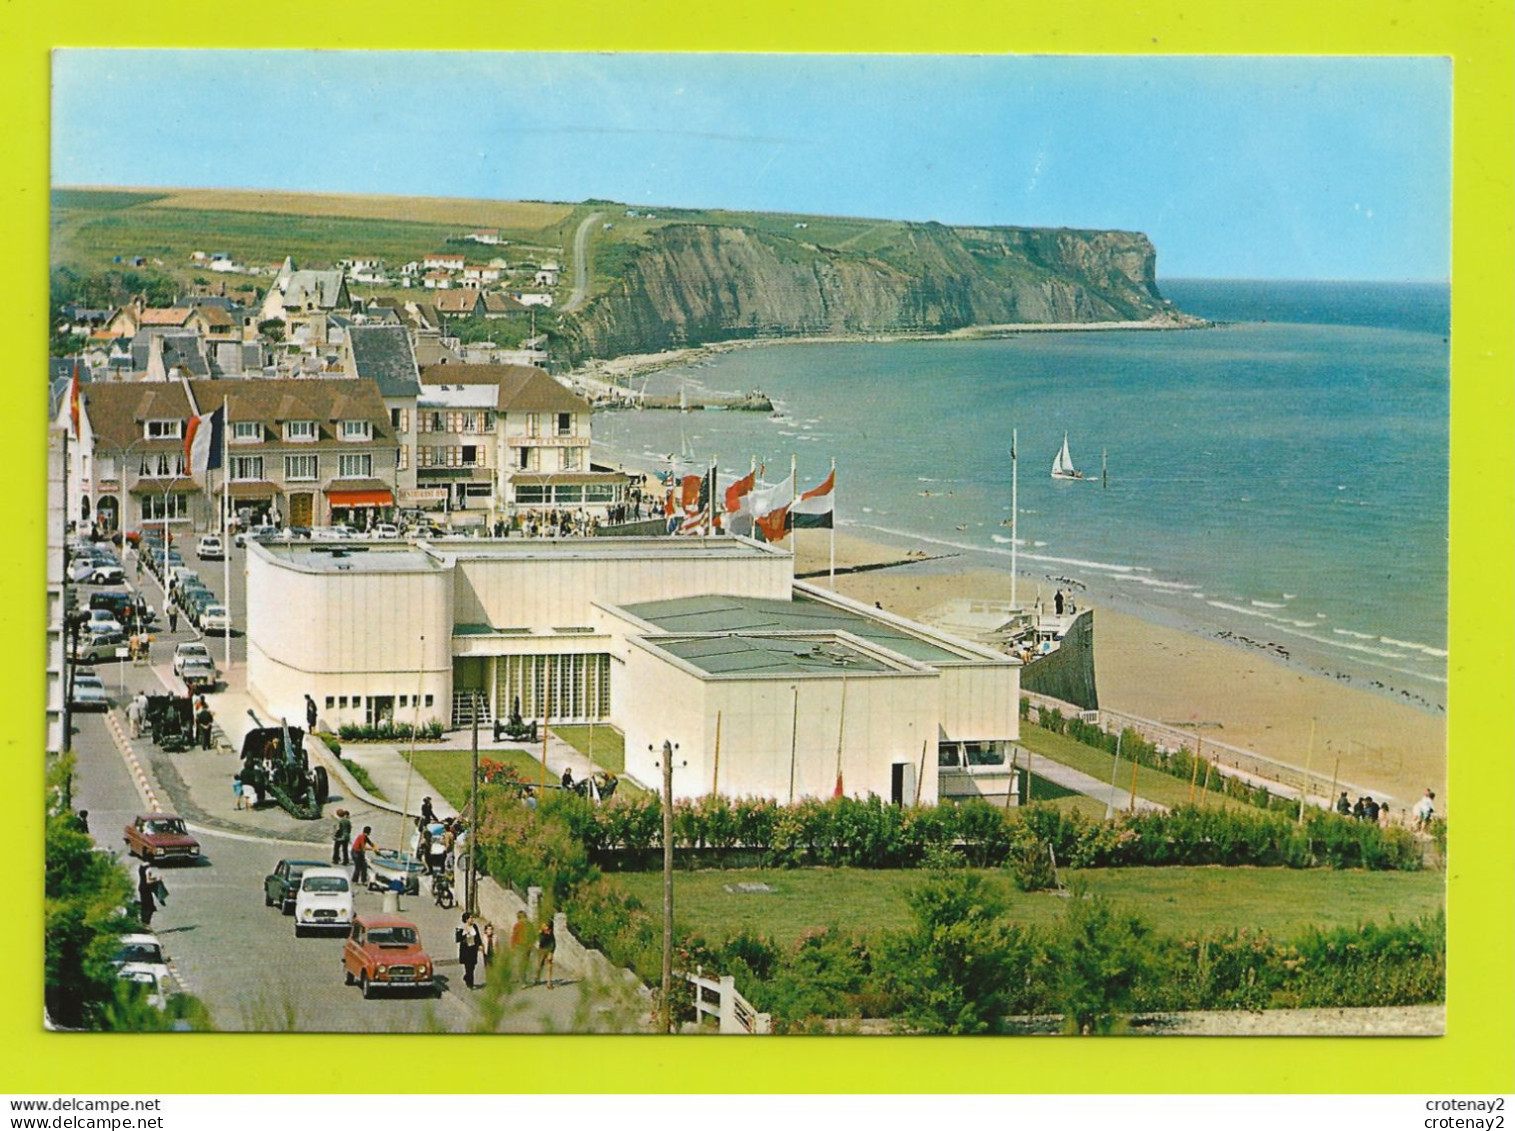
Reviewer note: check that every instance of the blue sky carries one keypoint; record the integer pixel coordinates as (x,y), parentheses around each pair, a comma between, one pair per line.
(1330,168)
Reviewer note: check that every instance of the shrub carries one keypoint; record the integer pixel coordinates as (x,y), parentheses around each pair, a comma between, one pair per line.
(1098,957)
(1030,866)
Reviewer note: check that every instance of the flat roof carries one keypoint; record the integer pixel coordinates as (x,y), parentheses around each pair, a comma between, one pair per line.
(757,614)
(742,654)
(338,557)
(652,549)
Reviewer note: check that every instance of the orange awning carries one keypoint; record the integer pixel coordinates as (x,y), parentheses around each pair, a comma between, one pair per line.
(360,498)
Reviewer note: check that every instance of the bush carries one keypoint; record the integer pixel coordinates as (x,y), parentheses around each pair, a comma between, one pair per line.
(1098,958)
(1030,866)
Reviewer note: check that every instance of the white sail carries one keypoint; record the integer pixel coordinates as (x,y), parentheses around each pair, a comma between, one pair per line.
(1062,465)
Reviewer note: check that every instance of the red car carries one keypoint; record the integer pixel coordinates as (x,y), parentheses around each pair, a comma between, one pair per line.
(384,952)
(160,838)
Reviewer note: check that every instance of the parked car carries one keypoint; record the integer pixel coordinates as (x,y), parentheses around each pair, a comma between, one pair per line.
(161,837)
(198,676)
(119,602)
(187,651)
(103,648)
(324,901)
(281,885)
(155,985)
(256,533)
(384,952)
(89,693)
(386,530)
(107,573)
(102,620)
(210,548)
(215,617)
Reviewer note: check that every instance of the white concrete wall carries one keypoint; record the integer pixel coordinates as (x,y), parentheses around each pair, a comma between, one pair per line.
(354,634)
(888,717)
(540,590)
(981,701)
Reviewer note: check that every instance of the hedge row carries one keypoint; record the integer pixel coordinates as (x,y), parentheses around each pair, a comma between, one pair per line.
(870,833)
(1180,763)
(389,732)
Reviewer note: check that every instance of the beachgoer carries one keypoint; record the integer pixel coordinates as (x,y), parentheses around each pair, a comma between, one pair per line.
(1343,806)
(1057,602)
(1370,811)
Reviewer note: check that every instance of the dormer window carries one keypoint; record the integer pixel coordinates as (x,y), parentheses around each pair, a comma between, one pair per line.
(246,432)
(300,431)
(353,430)
(163,430)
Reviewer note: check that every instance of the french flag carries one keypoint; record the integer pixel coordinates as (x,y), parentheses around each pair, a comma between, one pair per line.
(203,442)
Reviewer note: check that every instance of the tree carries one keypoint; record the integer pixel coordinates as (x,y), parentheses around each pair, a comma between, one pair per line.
(272,329)
(1099,956)
(961,968)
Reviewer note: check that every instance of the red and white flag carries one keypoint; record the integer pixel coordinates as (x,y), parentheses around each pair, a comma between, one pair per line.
(814,510)
(739,504)
(770,509)
(202,442)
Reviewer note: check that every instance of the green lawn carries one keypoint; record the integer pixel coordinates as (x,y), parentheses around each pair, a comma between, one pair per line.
(609,752)
(1174,900)
(1152,784)
(451,771)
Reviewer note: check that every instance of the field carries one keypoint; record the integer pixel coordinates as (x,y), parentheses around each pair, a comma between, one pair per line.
(1154,785)
(451,771)
(523,215)
(1176,901)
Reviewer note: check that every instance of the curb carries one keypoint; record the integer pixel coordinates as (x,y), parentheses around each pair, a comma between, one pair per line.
(338,767)
(139,775)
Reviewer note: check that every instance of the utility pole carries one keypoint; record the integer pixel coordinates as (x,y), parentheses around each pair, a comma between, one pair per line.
(471,891)
(666,1010)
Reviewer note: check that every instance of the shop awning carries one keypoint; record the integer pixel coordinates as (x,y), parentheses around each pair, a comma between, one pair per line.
(252,489)
(180,486)
(360,497)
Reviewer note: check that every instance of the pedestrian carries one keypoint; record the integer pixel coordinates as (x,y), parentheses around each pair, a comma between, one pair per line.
(469,941)
(341,838)
(310,714)
(487,947)
(1057,602)
(1370,811)
(428,814)
(1383,816)
(134,709)
(1359,809)
(1343,806)
(81,821)
(520,939)
(236,789)
(173,618)
(1424,811)
(423,848)
(203,722)
(148,886)
(547,943)
(567,777)
(362,845)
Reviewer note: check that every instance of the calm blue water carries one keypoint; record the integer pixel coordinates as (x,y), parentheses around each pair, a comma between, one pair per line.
(1281,478)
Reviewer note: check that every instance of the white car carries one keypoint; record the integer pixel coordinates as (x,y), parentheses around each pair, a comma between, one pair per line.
(386,530)
(193,649)
(142,951)
(210,547)
(324,901)
(215,618)
(101,621)
(148,976)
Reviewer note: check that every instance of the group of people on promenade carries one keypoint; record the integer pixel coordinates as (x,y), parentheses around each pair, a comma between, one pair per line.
(1377,813)
(475,937)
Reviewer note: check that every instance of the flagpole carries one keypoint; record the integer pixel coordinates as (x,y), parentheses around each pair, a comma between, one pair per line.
(832,576)
(793,487)
(1014,518)
(226,522)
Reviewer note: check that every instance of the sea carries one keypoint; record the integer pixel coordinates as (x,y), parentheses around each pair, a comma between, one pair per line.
(1277,481)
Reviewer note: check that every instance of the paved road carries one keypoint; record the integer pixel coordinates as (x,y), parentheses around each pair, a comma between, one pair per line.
(581,263)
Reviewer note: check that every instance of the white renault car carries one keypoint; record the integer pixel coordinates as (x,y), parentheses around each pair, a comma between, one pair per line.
(324,901)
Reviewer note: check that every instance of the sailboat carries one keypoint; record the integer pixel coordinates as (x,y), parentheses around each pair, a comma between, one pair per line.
(1062,465)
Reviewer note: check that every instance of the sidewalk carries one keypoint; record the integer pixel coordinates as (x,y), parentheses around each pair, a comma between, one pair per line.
(1069,778)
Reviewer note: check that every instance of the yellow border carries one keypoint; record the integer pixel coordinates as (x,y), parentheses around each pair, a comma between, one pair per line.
(1478,1054)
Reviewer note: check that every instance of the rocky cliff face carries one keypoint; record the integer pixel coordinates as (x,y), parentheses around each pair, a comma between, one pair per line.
(688,284)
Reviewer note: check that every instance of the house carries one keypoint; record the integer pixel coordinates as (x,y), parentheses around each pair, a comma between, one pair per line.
(527,298)
(303,300)
(172,357)
(309,451)
(476,275)
(501,306)
(383,355)
(465,303)
(369,269)
(485,235)
(546,277)
(443,261)
(504,439)
(436,280)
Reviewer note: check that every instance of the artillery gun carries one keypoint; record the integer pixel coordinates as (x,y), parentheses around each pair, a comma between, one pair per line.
(274,765)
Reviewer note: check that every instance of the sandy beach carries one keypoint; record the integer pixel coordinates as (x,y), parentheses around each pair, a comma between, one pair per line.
(1231,694)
